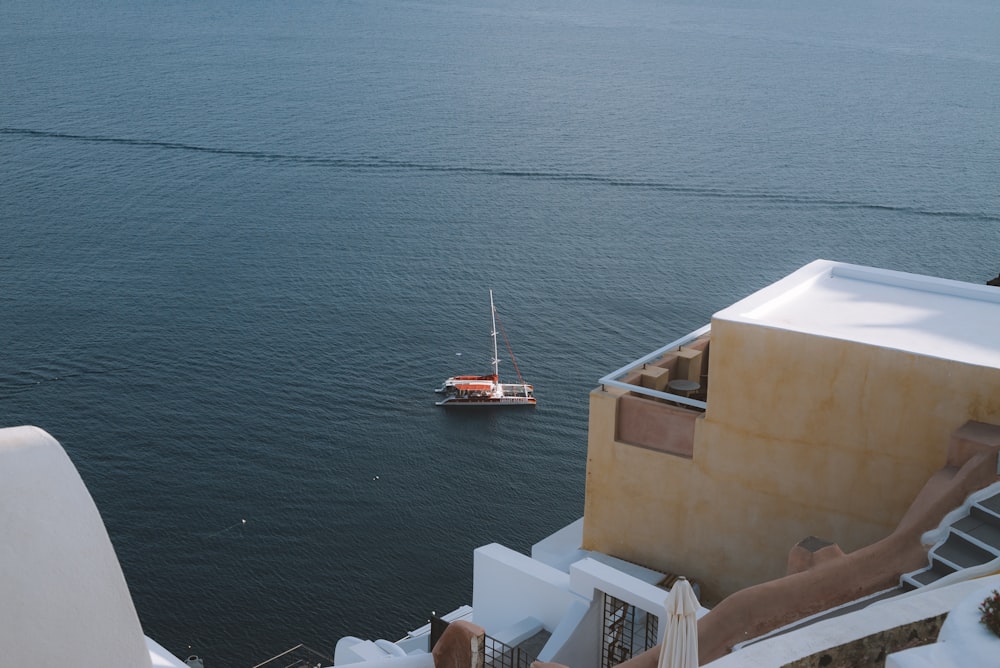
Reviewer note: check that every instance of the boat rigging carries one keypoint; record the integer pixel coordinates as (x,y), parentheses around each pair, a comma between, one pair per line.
(487,390)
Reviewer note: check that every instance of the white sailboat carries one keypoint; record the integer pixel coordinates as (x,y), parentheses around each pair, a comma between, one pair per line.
(488,390)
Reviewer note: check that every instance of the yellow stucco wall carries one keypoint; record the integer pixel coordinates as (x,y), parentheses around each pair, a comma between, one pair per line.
(804,435)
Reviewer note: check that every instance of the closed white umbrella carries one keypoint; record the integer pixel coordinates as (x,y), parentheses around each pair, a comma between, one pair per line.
(680,637)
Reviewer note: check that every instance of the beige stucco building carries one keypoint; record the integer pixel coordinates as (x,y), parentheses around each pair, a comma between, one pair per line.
(817,406)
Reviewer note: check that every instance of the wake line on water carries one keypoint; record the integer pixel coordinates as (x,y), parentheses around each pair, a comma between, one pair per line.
(375,162)
(11,385)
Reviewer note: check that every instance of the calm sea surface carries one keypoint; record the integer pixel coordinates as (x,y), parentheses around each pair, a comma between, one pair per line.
(242,241)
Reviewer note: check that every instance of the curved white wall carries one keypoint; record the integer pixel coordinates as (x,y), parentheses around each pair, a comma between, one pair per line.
(63,598)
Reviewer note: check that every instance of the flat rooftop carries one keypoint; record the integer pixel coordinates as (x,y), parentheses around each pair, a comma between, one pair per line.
(890,309)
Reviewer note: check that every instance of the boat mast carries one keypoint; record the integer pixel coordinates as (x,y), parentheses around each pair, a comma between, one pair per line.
(496,355)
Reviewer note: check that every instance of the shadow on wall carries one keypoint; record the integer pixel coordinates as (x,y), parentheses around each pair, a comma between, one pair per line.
(841,578)
(821,576)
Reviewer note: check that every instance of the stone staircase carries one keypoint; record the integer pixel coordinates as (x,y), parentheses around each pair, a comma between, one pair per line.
(972,539)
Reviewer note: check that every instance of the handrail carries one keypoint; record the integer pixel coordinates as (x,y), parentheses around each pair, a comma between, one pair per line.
(300,656)
(612,378)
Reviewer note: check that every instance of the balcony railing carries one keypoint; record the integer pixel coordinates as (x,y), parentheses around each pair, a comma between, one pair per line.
(299,656)
(613,379)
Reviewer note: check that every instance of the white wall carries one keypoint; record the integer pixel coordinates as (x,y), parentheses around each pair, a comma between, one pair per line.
(63,598)
(589,576)
(509,587)
(576,641)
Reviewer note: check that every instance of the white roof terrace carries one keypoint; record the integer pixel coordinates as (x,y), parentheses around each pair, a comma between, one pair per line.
(923,315)
(919,314)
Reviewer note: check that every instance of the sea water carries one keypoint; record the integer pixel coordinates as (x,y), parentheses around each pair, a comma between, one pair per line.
(242,242)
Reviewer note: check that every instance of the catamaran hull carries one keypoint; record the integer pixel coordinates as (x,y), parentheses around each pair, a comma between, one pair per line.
(488,402)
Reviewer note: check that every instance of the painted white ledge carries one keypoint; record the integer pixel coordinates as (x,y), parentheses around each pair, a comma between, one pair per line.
(882,616)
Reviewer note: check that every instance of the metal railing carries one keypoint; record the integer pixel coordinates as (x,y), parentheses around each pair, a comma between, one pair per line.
(612,378)
(627,631)
(299,656)
(502,655)
(494,654)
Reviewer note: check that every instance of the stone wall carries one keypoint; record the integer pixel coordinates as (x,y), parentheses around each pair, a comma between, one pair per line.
(870,651)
